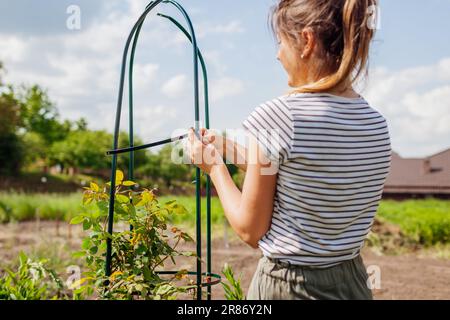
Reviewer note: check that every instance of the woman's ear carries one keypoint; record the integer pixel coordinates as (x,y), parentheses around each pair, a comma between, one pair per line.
(309,42)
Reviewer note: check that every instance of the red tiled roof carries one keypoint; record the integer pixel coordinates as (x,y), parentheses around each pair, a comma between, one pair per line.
(427,175)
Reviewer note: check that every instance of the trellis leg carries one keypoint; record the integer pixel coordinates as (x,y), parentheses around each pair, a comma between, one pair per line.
(208,179)
(116,139)
(208,189)
(197,171)
(131,107)
(197,56)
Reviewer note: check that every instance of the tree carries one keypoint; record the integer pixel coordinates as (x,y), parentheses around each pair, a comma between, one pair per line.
(11,148)
(35,148)
(40,115)
(11,154)
(161,166)
(82,149)
(9,112)
(87,150)
(1,72)
(140,157)
(81,125)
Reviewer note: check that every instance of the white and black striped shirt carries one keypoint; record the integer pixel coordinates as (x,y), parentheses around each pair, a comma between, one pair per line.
(335,155)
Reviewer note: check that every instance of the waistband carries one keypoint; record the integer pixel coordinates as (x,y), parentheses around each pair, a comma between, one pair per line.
(289,265)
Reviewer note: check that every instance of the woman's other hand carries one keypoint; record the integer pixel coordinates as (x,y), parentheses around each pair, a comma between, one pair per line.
(203,152)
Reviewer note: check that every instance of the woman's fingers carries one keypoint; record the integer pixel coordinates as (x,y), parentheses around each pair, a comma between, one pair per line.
(206,136)
(210,137)
(191,135)
(195,147)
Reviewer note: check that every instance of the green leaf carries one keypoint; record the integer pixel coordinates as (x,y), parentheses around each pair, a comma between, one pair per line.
(179,209)
(86,243)
(78,254)
(128,183)
(146,197)
(77,220)
(188,254)
(122,199)
(94,187)
(139,287)
(86,224)
(147,273)
(174,207)
(87,199)
(119,177)
(164,289)
(23,258)
(186,237)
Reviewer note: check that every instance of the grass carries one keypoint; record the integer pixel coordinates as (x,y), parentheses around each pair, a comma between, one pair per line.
(217,216)
(425,222)
(25,207)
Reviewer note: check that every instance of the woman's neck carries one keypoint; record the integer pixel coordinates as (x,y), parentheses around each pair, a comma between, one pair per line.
(344,90)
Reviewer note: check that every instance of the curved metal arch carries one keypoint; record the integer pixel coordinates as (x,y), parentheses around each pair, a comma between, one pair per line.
(134,35)
(208,178)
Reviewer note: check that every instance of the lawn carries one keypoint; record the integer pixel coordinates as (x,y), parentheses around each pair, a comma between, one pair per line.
(26,207)
(425,221)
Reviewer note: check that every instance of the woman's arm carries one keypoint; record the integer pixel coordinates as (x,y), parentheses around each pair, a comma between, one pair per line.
(249,211)
(230,150)
(235,153)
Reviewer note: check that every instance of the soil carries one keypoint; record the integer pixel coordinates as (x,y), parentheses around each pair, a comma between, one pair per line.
(412,275)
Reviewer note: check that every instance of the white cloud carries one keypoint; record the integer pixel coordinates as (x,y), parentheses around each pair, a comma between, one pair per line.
(81,69)
(225,87)
(145,76)
(12,48)
(416,104)
(176,86)
(232,27)
(213,58)
(153,121)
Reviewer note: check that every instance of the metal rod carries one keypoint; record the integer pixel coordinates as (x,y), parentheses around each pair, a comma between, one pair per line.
(131,101)
(208,179)
(108,262)
(146,146)
(197,129)
(131,107)
(196,57)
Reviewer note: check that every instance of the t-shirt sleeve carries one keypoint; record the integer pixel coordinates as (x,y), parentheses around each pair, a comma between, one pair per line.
(272,125)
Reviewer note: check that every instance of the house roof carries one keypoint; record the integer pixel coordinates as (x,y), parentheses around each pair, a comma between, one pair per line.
(420,175)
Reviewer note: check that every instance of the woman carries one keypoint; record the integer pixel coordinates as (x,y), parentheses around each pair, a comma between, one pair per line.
(311,215)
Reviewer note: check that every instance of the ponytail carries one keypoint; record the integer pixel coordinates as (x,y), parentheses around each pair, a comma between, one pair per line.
(344,30)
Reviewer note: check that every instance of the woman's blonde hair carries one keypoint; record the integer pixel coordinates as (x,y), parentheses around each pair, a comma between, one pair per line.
(343,32)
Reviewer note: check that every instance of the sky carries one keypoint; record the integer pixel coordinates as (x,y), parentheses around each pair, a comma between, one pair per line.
(409,75)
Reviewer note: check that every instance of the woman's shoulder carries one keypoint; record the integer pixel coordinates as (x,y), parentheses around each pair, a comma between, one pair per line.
(322,97)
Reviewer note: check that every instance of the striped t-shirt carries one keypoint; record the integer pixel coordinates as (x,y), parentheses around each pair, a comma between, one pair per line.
(334,156)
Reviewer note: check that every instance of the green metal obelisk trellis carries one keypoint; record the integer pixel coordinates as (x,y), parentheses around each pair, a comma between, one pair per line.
(197,56)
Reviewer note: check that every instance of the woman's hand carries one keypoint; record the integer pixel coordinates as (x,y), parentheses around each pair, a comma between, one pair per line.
(214,138)
(229,149)
(203,152)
